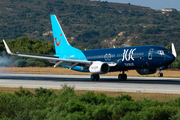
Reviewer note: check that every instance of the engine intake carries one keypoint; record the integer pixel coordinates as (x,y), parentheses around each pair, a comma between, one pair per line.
(99,68)
(146,71)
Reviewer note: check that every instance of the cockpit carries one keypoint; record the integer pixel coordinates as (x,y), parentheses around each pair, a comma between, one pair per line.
(162,52)
(166,51)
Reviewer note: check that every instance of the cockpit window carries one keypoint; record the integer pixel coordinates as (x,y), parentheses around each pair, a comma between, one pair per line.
(166,51)
(161,52)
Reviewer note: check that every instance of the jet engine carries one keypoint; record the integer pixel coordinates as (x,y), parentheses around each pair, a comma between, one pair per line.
(99,68)
(146,71)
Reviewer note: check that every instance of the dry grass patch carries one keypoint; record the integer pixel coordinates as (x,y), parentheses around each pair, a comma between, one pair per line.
(13,89)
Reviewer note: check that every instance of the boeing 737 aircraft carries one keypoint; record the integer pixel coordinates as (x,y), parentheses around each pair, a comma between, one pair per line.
(144,59)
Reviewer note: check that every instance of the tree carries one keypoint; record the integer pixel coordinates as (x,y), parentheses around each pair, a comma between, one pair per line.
(20,63)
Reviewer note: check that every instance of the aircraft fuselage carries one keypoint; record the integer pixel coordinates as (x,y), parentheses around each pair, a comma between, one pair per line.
(127,58)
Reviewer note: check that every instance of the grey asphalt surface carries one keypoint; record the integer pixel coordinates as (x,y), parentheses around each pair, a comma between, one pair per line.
(83,82)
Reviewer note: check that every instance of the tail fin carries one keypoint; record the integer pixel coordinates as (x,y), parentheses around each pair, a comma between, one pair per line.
(60,41)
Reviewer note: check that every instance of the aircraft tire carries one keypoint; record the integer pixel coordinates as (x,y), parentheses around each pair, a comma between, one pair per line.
(95,77)
(160,75)
(122,77)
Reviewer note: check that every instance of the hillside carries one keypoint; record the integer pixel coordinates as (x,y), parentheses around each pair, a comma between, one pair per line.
(90,24)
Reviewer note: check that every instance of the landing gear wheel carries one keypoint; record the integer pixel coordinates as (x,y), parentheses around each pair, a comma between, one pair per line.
(160,75)
(95,77)
(122,77)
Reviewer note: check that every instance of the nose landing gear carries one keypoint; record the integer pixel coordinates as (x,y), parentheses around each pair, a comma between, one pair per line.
(160,74)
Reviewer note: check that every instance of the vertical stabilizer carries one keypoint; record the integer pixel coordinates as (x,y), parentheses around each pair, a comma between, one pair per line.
(60,41)
(62,48)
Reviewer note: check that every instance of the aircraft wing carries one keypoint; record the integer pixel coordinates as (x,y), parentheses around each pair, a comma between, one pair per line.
(53,59)
(57,61)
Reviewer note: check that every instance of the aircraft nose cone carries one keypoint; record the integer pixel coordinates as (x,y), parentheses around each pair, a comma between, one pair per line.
(170,58)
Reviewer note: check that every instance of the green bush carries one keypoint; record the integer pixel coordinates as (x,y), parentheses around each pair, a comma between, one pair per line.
(157,113)
(131,116)
(89,98)
(43,92)
(123,97)
(101,113)
(22,92)
(45,104)
(121,108)
(67,88)
(39,114)
(72,107)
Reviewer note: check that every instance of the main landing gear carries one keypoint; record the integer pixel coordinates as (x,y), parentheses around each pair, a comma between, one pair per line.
(122,77)
(95,77)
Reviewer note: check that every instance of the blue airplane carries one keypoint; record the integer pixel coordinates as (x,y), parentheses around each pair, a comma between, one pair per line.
(144,59)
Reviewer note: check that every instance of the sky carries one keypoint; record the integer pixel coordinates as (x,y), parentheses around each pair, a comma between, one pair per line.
(154,4)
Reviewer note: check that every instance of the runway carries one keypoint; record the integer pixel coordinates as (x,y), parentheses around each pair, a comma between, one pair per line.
(83,82)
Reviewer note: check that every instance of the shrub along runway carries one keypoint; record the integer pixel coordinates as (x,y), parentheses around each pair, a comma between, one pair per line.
(83,82)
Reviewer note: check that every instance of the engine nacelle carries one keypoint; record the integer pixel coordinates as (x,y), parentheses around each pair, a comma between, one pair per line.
(146,71)
(99,68)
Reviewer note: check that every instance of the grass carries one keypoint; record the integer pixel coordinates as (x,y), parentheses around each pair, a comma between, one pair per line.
(161,97)
(65,71)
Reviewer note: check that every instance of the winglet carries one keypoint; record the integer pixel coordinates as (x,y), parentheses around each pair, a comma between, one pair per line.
(174,50)
(7,48)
